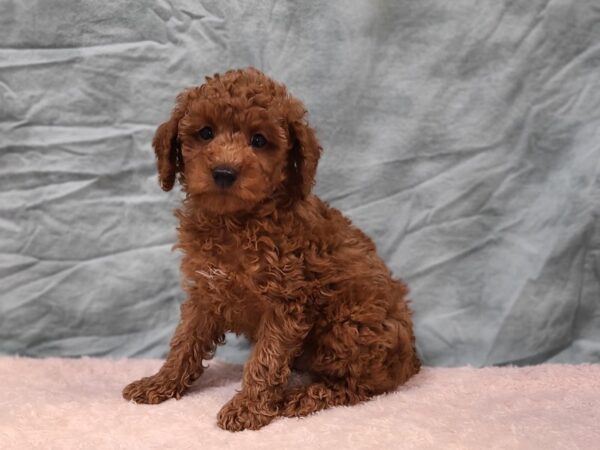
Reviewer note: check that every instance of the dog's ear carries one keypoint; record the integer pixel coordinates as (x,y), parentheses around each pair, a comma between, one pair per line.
(304,153)
(166,144)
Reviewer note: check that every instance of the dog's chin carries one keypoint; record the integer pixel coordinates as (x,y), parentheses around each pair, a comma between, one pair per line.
(221,203)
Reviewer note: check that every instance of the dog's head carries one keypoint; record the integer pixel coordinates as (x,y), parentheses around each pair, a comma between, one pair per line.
(235,141)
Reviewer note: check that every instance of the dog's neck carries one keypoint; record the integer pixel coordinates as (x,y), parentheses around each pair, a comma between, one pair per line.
(193,215)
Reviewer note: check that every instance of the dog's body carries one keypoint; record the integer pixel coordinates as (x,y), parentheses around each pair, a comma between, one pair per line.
(265,258)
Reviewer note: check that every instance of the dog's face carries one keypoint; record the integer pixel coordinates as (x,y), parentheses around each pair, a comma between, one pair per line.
(237,140)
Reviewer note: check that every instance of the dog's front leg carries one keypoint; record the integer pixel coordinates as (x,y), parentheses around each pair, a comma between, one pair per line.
(196,338)
(266,373)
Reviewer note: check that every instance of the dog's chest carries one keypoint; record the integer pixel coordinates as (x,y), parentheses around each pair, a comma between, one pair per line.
(244,267)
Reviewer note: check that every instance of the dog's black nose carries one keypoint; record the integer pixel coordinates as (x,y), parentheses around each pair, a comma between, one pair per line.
(224,176)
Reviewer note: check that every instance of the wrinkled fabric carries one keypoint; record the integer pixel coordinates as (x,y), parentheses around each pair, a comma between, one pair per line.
(463,137)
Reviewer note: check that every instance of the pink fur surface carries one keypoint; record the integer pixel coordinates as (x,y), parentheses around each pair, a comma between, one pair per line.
(63,404)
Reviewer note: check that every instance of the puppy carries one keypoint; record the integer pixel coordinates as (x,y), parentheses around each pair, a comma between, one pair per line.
(265,258)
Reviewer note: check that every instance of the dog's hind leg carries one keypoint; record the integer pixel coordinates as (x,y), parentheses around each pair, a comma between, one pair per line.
(368,368)
(304,400)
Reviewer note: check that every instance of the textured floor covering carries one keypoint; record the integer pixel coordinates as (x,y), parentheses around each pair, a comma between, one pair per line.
(60,403)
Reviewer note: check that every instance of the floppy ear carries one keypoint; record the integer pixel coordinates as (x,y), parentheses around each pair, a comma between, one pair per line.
(166,145)
(304,153)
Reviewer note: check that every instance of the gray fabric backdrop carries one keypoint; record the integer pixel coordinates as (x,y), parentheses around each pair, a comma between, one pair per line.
(463,136)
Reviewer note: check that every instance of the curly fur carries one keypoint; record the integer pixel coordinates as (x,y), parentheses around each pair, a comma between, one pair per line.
(267,259)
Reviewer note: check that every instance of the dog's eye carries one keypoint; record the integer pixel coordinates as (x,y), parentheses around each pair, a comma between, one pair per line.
(206,133)
(258,140)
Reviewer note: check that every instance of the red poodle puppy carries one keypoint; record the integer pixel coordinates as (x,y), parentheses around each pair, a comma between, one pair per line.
(265,258)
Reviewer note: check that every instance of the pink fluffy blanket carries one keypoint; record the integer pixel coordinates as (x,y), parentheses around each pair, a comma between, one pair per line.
(62,403)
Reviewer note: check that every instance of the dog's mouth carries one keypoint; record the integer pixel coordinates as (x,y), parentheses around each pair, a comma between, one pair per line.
(219,201)
(216,196)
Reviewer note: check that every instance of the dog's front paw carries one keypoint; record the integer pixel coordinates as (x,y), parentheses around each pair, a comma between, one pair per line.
(242,413)
(151,390)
